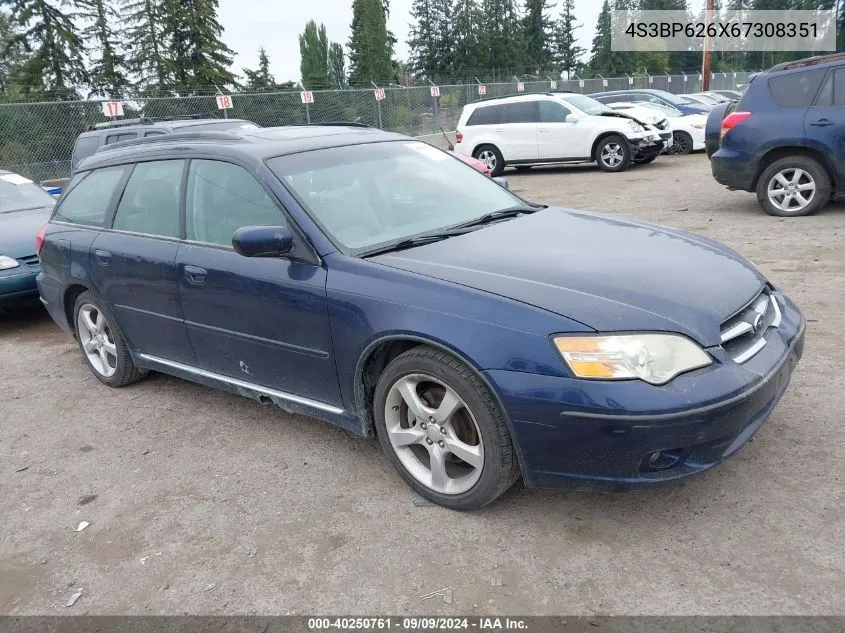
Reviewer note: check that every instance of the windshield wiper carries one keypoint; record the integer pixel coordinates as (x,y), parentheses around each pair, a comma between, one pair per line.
(411,242)
(510,212)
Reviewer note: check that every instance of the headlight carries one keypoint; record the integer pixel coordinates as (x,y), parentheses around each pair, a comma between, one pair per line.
(7,262)
(636,127)
(654,358)
(698,126)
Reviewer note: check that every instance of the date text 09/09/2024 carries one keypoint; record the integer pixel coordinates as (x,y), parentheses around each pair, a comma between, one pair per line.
(418,623)
(728,29)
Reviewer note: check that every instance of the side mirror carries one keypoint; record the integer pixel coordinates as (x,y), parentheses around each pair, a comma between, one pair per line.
(572,118)
(262,241)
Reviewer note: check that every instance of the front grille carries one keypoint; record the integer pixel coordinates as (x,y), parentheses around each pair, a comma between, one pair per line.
(744,334)
(31,260)
(662,125)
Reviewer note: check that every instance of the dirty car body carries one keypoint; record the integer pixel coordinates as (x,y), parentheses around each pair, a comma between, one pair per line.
(313,330)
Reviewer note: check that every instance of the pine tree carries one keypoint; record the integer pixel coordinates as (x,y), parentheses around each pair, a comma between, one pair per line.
(107,75)
(12,56)
(42,29)
(337,66)
(466,37)
(259,79)
(198,58)
(146,42)
(423,40)
(314,57)
(537,33)
(369,44)
(502,38)
(601,56)
(567,52)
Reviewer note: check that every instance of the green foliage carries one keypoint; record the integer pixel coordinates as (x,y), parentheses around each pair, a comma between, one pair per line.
(502,38)
(369,44)
(259,79)
(466,35)
(107,75)
(145,41)
(537,33)
(567,52)
(314,57)
(601,56)
(337,66)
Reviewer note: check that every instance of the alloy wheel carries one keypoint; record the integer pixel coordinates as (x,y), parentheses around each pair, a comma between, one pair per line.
(434,434)
(680,144)
(791,189)
(488,157)
(611,154)
(97,340)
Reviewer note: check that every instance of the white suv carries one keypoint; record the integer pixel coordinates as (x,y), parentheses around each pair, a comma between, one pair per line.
(538,129)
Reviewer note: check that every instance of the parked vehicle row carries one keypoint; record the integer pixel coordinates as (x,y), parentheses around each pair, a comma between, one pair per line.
(686,130)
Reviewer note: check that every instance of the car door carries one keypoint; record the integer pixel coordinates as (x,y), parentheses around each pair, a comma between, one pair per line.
(133,262)
(517,130)
(560,134)
(824,121)
(259,320)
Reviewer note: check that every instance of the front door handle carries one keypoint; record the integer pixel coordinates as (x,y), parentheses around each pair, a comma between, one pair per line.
(103,257)
(500,129)
(195,275)
(822,123)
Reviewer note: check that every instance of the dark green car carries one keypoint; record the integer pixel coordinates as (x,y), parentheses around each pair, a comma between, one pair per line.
(24,208)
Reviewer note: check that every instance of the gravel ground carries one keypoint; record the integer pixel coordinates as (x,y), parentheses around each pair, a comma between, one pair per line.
(206,503)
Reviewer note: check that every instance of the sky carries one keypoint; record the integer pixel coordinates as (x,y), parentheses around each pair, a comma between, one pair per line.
(275,25)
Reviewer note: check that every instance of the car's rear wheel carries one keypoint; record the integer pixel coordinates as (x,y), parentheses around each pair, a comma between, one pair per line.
(101,341)
(793,186)
(613,153)
(681,143)
(443,430)
(492,157)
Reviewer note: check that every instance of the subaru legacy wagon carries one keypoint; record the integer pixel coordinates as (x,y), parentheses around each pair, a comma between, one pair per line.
(375,282)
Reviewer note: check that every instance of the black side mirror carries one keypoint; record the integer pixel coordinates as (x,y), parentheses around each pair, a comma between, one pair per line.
(262,241)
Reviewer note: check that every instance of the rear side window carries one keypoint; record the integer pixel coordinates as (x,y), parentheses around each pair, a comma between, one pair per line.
(84,147)
(486,115)
(520,112)
(833,89)
(150,202)
(796,89)
(89,201)
(117,138)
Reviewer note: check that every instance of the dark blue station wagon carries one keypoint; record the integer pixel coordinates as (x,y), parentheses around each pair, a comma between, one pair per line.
(373,281)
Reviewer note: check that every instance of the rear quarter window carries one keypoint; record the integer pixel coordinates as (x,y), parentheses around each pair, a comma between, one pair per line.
(796,90)
(84,147)
(89,201)
(484,115)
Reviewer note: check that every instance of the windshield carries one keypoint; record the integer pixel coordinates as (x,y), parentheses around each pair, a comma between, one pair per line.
(18,193)
(373,195)
(587,104)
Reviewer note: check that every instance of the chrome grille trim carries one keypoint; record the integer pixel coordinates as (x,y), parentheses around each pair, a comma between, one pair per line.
(744,334)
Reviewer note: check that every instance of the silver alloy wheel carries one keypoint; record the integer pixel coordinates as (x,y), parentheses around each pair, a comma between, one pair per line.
(611,154)
(488,157)
(97,340)
(791,189)
(434,434)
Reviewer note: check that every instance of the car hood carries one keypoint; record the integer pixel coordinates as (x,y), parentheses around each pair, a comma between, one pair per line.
(607,273)
(18,229)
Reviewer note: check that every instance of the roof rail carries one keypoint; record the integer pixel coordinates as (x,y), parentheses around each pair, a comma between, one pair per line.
(146,120)
(170,138)
(340,124)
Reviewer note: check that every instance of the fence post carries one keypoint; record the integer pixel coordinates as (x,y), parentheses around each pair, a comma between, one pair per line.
(307,113)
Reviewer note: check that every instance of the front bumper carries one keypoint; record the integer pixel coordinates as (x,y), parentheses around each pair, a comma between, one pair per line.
(605,434)
(17,286)
(646,147)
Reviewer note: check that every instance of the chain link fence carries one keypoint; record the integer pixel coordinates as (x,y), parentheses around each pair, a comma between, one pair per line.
(36,139)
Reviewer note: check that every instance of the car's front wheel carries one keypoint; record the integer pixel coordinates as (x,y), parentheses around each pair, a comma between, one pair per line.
(613,153)
(443,430)
(793,186)
(681,143)
(101,341)
(492,157)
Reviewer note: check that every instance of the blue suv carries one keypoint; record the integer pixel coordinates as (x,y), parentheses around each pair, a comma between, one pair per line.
(785,139)
(375,282)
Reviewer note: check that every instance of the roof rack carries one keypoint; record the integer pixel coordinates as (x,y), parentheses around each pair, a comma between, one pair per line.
(146,120)
(808,61)
(171,138)
(340,124)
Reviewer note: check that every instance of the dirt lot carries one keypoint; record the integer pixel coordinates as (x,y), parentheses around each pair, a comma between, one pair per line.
(204,502)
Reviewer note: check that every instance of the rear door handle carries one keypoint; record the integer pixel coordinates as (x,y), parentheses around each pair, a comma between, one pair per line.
(822,123)
(103,257)
(542,129)
(195,275)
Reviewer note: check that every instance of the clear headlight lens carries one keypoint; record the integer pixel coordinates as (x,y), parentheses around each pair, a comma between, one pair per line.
(7,262)
(654,358)
(636,127)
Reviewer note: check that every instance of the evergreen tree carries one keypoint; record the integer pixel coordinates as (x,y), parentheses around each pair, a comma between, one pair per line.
(369,44)
(146,43)
(198,58)
(537,33)
(601,56)
(48,37)
(337,66)
(107,75)
(423,40)
(260,79)
(468,55)
(314,57)
(567,52)
(502,38)
(12,56)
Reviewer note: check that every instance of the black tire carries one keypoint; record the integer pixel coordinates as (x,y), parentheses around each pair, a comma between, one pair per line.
(623,148)
(813,172)
(681,143)
(498,165)
(125,372)
(522,167)
(500,468)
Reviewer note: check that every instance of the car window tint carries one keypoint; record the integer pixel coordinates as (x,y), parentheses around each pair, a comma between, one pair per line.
(838,86)
(84,147)
(825,96)
(154,133)
(88,202)
(520,112)
(150,202)
(221,198)
(796,89)
(117,138)
(552,112)
(486,115)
